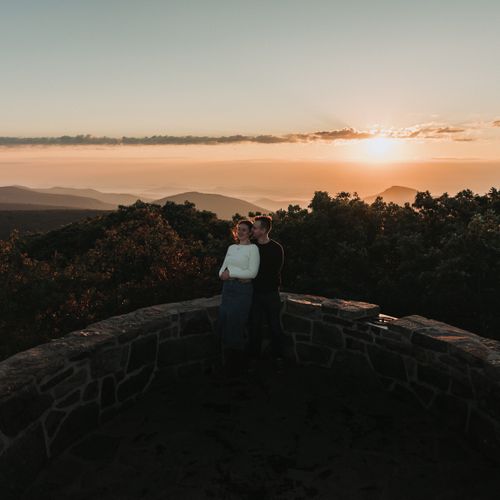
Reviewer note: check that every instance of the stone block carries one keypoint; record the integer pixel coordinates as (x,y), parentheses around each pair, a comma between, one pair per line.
(367,337)
(69,400)
(53,420)
(350,309)
(327,334)
(296,324)
(194,323)
(432,376)
(423,393)
(134,384)
(430,338)
(303,307)
(142,352)
(470,350)
(106,361)
(387,363)
(354,344)
(354,366)
(395,345)
(336,320)
(108,392)
(79,422)
(172,352)
(91,390)
(56,379)
(75,381)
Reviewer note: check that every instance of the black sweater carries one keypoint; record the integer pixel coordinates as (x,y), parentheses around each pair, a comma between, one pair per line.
(272,257)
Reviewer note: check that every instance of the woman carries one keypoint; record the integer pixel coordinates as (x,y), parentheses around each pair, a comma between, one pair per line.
(240,266)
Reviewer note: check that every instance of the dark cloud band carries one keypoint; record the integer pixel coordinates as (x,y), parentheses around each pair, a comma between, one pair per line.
(421,132)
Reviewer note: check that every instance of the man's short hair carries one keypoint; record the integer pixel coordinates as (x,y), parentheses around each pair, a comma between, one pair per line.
(266,222)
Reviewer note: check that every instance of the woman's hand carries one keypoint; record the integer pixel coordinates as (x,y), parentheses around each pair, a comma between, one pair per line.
(225,275)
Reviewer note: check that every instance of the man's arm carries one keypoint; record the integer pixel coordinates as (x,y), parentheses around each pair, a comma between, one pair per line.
(278,258)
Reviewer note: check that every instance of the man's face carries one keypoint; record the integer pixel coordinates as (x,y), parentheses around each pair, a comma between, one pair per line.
(258,231)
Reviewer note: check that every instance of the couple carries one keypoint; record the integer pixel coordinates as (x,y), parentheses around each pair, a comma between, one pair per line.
(251,275)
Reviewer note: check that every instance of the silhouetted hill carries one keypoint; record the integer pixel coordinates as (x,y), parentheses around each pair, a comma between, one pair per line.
(395,194)
(15,194)
(39,218)
(224,206)
(113,198)
(14,207)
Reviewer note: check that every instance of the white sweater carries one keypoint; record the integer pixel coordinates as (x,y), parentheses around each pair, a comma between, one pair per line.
(242,261)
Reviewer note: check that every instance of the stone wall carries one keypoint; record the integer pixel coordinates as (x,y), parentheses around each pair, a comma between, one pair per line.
(55,393)
(453,373)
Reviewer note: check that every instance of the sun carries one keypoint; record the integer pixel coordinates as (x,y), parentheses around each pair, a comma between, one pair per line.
(379,146)
(380,149)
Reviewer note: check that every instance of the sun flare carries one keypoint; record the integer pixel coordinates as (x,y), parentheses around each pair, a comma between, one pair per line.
(379,145)
(380,149)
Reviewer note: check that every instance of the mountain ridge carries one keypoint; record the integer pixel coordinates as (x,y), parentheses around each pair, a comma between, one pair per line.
(395,194)
(224,206)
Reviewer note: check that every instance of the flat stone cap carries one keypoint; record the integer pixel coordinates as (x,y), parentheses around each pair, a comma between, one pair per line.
(349,309)
(442,337)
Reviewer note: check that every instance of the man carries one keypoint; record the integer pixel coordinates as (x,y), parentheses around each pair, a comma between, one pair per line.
(266,302)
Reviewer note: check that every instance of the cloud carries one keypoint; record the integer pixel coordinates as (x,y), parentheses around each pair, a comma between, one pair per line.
(327,135)
(434,131)
(496,123)
(428,131)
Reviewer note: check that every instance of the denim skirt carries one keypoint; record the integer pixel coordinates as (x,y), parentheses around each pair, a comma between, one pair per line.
(234,310)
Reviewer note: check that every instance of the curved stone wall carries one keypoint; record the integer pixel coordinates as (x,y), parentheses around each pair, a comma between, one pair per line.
(453,373)
(55,393)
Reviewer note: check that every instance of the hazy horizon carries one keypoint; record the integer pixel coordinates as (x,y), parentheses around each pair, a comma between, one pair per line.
(158,169)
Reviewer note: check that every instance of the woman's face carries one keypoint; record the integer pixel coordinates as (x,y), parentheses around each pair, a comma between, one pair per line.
(243,232)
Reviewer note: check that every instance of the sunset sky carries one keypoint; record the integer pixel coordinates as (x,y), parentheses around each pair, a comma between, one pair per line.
(376,92)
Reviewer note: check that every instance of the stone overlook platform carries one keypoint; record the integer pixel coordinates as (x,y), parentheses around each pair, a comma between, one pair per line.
(369,406)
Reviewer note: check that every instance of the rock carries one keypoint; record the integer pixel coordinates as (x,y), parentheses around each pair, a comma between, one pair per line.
(79,422)
(326,334)
(296,324)
(194,323)
(134,384)
(387,363)
(351,309)
(143,352)
(108,392)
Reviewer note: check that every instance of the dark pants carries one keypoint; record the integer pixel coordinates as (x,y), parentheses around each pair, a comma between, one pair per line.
(265,306)
(233,313)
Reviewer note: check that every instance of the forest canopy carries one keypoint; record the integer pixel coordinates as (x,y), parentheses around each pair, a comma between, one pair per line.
(439,257)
